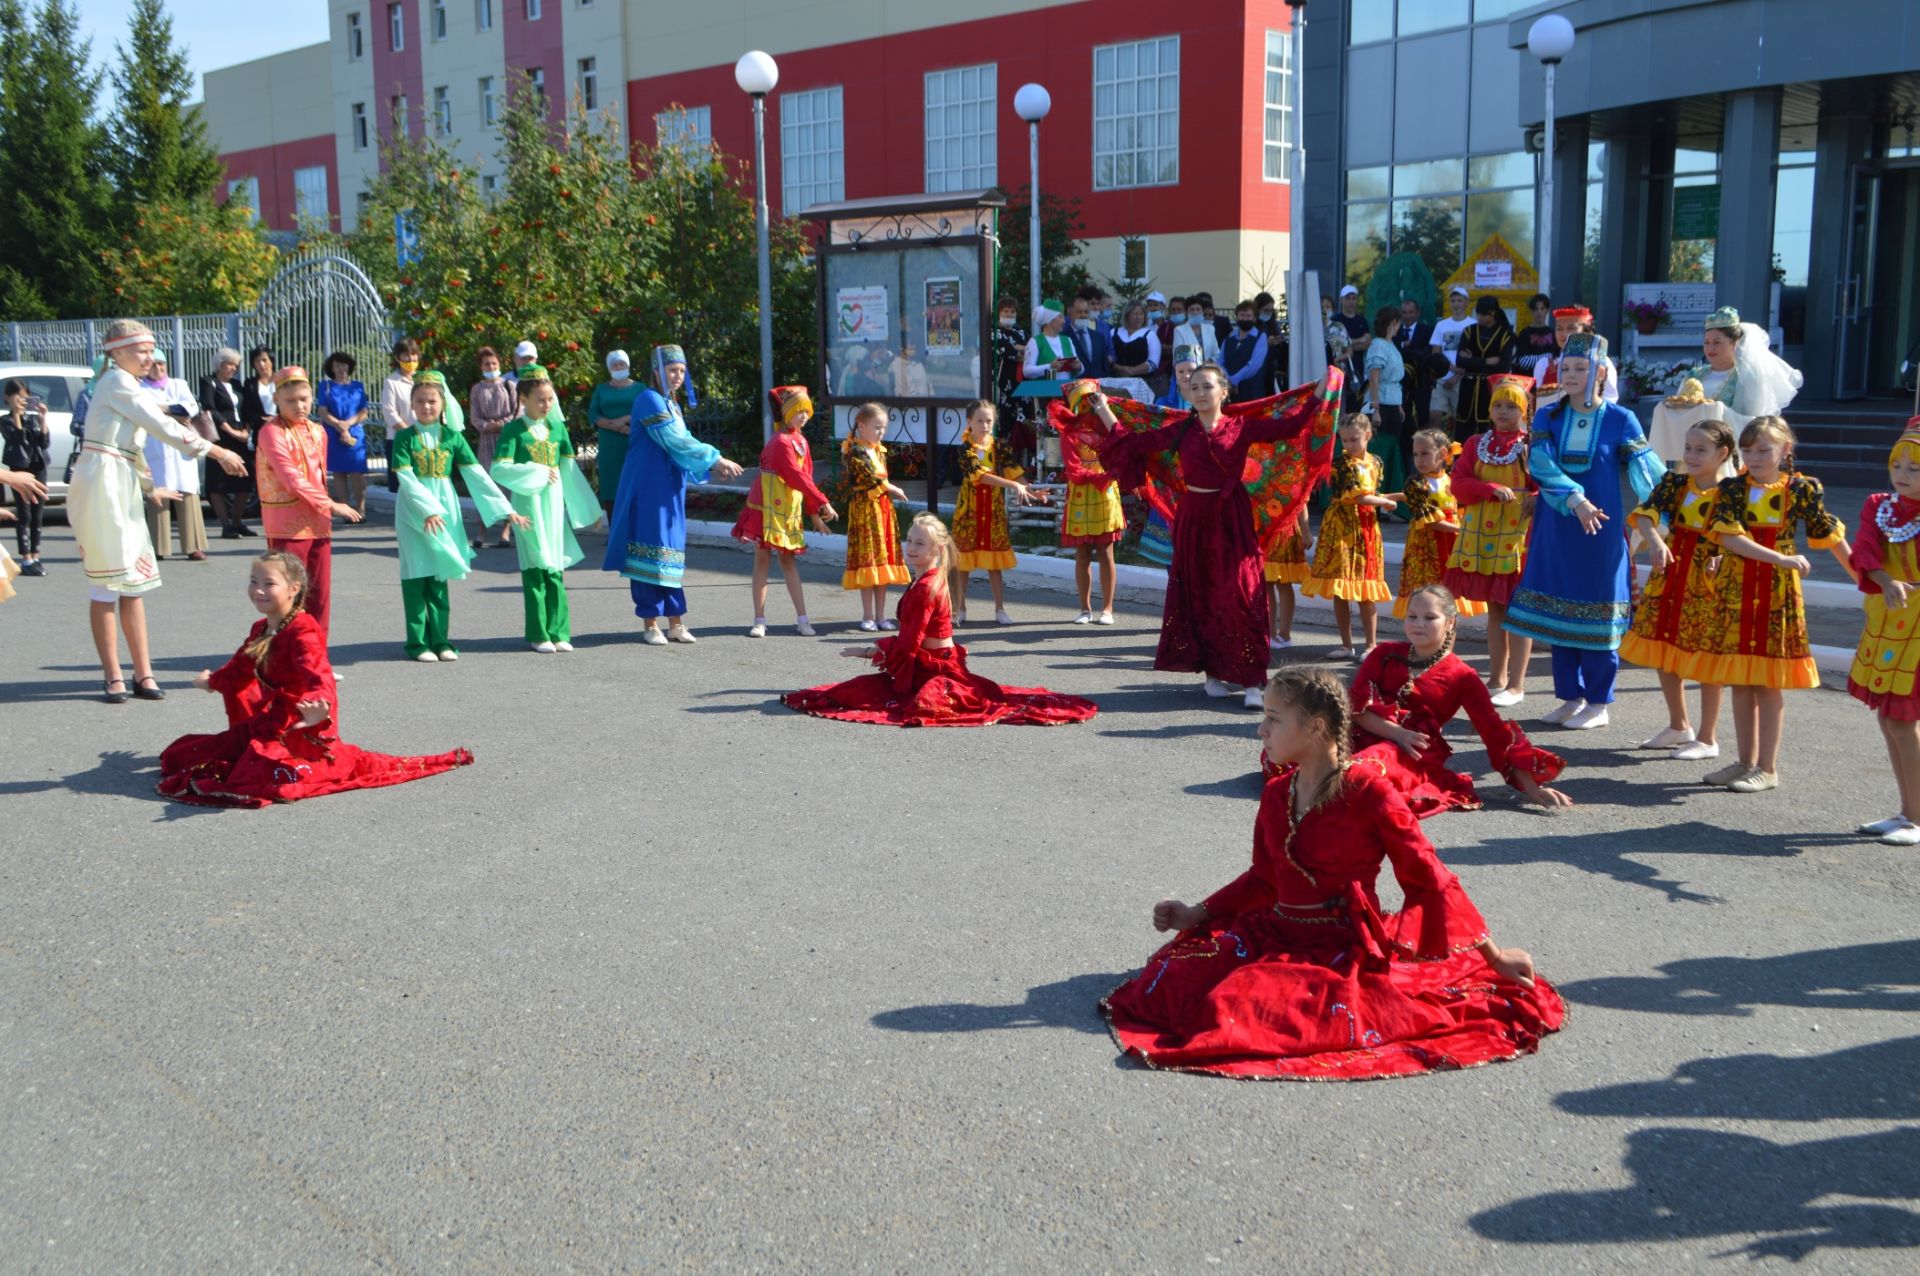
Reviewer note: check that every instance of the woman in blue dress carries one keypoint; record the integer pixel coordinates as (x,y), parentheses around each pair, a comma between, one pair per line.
(340,405)
(1573,592)
(647,527)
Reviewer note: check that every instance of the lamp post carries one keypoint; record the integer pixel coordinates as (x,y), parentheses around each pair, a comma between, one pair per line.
(1031,104)
(1550,39)
(1297,370)
(756,74)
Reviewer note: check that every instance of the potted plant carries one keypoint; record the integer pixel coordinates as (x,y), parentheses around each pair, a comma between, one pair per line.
(1648,316)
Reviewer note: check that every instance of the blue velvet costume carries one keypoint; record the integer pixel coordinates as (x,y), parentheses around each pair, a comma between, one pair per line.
(647,529)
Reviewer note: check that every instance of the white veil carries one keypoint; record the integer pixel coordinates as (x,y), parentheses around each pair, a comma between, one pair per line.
(1766,383)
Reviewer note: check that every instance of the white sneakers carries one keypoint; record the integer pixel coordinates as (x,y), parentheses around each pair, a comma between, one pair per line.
(545,648)
(1696,751)
(1221,690)
(1586,718)
(427,658)
(1255,698)
(680,633)
(759,629)
(1895,830)
(866,627)
(652,636)
(1277,643)
(562,645)
(1667,738)
(1000,616)
(1562,711)
(1506,698)
(1084,618)
(1104,618)
(450,654)
(801,625)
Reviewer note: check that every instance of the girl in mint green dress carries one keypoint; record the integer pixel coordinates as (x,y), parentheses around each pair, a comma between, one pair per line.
(534,461)
(427,518)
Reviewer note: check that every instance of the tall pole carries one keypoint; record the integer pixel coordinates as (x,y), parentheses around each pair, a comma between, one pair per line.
(766,263)
(1033,219)
(1297,369)
(1546,197)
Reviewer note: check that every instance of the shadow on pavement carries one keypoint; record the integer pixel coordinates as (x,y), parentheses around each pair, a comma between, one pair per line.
(1070,1003)
(1702,1183)
(121,773)
(1856,977)
(1874,1082)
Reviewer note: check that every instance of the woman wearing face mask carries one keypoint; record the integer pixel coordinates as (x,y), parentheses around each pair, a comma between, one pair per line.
(1009,357)
(396,393)
(1050,355)
(490,405)
(611,411)
(1198,330)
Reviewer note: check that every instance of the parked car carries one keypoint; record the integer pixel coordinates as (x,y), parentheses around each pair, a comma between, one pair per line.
(54,387)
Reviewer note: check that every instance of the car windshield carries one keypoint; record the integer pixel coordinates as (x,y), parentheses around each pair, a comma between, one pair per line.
(55,392)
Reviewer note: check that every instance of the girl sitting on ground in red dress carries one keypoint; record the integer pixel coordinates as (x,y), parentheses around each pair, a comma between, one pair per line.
(282,741)
(924,680)
(1291,972)
(1403,693)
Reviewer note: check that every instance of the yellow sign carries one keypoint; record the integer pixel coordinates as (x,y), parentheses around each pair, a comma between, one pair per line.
(1497,269)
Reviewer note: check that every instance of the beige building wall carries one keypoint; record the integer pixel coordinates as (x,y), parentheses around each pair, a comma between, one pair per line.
(279,99)
(670,36)
(352,81)
(599,32)
(1230,264)
(458,64)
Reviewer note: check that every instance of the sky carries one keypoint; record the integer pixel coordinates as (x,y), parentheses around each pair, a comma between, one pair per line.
(215,33)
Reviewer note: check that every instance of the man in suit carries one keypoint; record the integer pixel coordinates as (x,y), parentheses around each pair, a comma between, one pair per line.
(1415,340)
(1089,336)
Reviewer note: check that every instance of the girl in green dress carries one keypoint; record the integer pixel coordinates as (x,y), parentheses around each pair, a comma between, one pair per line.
(427,518)
(534,461)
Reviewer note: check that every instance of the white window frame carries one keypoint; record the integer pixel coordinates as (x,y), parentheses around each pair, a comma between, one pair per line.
(303,207)
(1276,119)
(436,20)
(357,125)
(399,109)
(356,38)
(687,128)
(483,15)
(534,10)
(443,111)
(490,187)
(396,28)
(1146,260)
(251,185)
(1125,133)
(961,105)
(587,75)
(813,151)
(537,79)
(489,105)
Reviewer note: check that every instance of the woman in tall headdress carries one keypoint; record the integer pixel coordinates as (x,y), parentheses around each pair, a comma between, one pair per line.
(104,503)
(647,529)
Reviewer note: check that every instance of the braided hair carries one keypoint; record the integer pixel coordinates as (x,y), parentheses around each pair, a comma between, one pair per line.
(942,541)
(295,573)
(1317,694)
(1776,428)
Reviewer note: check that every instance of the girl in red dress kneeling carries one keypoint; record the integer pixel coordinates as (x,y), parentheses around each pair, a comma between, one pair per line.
(1405,692)
(282,741)
(924,680)
(1290,972)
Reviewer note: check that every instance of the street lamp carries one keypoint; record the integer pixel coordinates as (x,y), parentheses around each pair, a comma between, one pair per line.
(1297,369)
(756,74)
(1031,104)
(1550,39)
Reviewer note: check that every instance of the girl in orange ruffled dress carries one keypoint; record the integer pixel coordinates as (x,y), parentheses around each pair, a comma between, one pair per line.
(1349,566)
(771,522)
(981,538)
(873,530)
(1436,521)
(1496,495)
(1886,562)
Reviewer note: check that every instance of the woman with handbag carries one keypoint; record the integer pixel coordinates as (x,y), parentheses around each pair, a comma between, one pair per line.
(27,440)
(220,397)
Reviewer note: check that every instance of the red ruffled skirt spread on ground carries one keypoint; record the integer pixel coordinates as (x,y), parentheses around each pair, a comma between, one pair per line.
(942,693)
(1285,998)
(233,768)
(1431,786)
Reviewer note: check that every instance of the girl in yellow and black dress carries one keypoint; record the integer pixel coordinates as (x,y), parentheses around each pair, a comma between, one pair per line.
(1435,522)
(1286,567)
(785,496)
(873,530)
(981,540)
(1349,567)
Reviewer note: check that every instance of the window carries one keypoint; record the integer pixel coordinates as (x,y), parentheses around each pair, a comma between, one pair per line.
(396,28)
(356,39)
(537,81)
(489,109)
(812,155)
(247,191)
(442,112)
(1439,210)
(1371,20)
(589,85)
(359,117)
(1418,16)
(533,10)
(689,128)
(960,128)
(399,108)
(1134,259)
(490,187)
(483,15)
(310,192)
(1136,114)
(437,15)
(1279,112)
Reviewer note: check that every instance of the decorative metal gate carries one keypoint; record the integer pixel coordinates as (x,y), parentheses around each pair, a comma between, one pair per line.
(319,303)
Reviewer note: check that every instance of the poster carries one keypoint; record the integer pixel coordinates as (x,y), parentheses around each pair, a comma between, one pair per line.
(1493,274)
(944,316)
(860,314)
(1696,212)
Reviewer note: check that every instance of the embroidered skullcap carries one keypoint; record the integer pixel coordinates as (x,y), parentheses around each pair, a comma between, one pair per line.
(1585,345)
(126,332)
(665,356)
(451,417)
(534,373)
(789,401)
(1724,317)
(1187,354)
(292,374)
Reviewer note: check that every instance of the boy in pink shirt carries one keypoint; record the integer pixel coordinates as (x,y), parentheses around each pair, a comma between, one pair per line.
(295,507)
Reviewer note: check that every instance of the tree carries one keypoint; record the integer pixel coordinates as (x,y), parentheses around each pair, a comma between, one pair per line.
(193,257)
(159,148)
(1430,229)
(51,226)
(1063,272)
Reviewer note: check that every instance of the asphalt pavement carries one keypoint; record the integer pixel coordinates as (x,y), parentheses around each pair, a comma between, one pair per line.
(672,978)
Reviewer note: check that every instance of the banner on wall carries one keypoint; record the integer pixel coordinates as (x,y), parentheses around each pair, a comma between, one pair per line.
(860,314)
(944,312)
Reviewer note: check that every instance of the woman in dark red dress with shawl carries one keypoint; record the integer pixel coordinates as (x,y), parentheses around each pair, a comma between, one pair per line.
(282,741)
(924,680)
(1292,971)
(1216,620)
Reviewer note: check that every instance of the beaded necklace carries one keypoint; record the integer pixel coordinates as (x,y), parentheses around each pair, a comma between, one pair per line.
(1898,533)
(1490,457)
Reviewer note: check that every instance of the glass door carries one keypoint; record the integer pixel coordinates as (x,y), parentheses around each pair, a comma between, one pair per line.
(1854,295)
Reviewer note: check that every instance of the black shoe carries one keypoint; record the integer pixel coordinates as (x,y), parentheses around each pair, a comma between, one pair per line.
(148,689)
(241,529)
(33,569)
(115,697)
(231,533)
